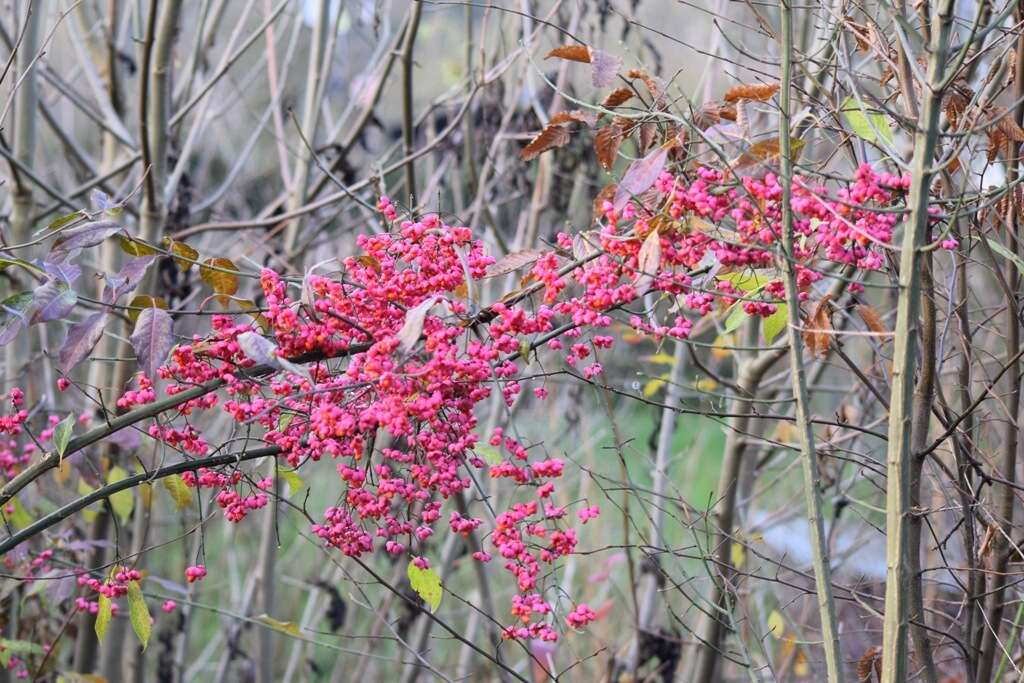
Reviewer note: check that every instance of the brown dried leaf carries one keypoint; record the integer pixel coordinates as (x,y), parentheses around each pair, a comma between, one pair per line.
(607,141)
(575,53)
(766,151)
(818,327)
(1006,124)
(647,132)
(184,255)
(617,98)
(714,112)
(576,115)
(606,194)
(987,541)
(861,34)
(648,260)
(513,261)
(755,92)
(552,137)
(870,662)
(412,328)
(871,318)
(652,85)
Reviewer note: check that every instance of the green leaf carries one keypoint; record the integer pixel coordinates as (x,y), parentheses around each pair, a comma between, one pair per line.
(748,280)
(61,221)
(737,316)
(180,493)
(138,613)
(123,501)
(283,420)
(866,124)
(489,453)
(775,323)
(103,617)
(287,627)
(1006,253)
(20,518)
(426,583)
(294,481)
(62,435)
(17,647)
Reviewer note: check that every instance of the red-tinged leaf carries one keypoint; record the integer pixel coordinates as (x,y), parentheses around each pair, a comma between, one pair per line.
(514,261)
(412,328)
(551,137)
(152,339)
(648,260)
(756,92)
(573,116)
(607,142)
(604,68)
(617,98)
(82,337)
(649,82)
(52,301)
(640,175)
(871,318)
(575,53)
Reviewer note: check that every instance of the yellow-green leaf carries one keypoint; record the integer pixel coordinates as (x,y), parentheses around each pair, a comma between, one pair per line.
(426,583)
(62,435)
(737,555)
(776,623)
(61,221)
(775,323)
(288,627)
(20,518)
(103,617)
(489,453)
(138,612)
(294,481)
(180,493)
(653,386)
(865,123)
(737,316)
(184,255)
(661,359)
(141,301)
(134,247)
(123,502)
(213,272)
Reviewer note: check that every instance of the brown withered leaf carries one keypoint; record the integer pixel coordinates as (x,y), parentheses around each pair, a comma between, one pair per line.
(575,53)
(818,327)
(871,318)
(1006,124)
(712,113)
(996,141)
(954,105)
(647,131)
(607,141)
(764,152)
(755,92)
(513,261)
(552,137)
(573,116)
(617,98)
(650,82)
(870,663)
(606,194)
(861,34)
(985,549)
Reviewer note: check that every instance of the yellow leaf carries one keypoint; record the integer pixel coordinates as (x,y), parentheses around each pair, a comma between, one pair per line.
(661,359)
(123,502)
(426,583)
(776,623)
(63,472)
(737,555)
(653,386)
(146,495)
(215,272)
(294,481)
(288,627)
(180,493)
(134,247)
(184,254)
(705,384)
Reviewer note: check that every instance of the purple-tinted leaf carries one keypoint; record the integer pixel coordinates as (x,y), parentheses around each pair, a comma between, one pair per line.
(100,200)
(604,68)
(88,235)
(166,584)
(14,316)
(127,279)
(52,301)
(152,339)
(640,175)
(82,336)
(127,440)
(263,351)
(65,272)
